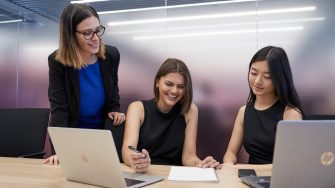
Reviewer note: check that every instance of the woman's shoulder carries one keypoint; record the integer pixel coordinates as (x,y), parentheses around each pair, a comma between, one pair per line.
(191,114)
(136,105)
(113,56)
(52,56)
(53,62)
(241,110)
(291,113)
(110,50)
(193,107)
(193,110)
(239,121)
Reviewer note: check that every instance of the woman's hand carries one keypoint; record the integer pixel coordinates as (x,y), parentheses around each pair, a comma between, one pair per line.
(52,160)
(117,118)
(209,162)
(140,162)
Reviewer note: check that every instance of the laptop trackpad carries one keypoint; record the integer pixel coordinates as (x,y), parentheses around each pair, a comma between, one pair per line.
(264,184)
(131,182)
(264,181)
(139,179)
(132,179)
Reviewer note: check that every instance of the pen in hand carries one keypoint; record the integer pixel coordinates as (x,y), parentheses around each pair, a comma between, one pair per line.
(134,149)
(140,162)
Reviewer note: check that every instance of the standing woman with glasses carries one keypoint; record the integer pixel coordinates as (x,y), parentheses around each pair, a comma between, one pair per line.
(83,74)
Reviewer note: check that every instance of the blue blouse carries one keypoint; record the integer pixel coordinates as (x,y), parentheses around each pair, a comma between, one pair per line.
(92,97)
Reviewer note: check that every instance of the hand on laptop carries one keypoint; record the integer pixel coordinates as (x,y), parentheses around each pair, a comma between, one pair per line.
(209,162)
(140,162)
(52,160)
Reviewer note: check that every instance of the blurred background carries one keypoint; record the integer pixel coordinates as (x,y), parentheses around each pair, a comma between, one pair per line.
(216,39)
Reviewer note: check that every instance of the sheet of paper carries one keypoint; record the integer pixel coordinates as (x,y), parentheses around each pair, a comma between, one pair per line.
(182,173)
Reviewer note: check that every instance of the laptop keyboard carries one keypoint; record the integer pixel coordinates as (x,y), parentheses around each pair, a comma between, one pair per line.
(131,182)
(264,184)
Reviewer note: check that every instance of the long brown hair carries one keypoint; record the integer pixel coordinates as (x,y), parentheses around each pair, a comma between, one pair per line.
(68,53)
(171,66)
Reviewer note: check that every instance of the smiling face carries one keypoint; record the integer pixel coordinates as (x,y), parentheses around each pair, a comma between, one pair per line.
(88,47)
(260,79)
(171,89)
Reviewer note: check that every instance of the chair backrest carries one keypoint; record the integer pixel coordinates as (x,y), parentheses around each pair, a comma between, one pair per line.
(117,132)
(23,132)
(320,117)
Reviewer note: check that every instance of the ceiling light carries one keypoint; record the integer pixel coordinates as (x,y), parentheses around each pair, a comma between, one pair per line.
(87,1)
(209,16)
(218,33)
(293,20)
(11,21)
(219,25)
(175,6)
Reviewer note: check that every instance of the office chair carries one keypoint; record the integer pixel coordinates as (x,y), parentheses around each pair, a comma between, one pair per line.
(23,132)
(320,117)
(117,132)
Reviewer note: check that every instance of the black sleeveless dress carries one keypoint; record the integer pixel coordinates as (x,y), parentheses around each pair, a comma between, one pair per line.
(260,131)
(162,134)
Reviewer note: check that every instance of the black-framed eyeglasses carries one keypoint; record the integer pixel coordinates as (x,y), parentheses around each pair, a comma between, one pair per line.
(89,34)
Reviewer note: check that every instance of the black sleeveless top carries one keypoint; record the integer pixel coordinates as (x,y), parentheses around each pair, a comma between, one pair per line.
(260,132)
(162,134)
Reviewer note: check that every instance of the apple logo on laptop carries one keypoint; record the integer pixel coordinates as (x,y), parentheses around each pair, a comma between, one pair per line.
(327,158)
(83,157)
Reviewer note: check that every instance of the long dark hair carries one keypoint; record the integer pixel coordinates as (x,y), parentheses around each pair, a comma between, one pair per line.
(281,76)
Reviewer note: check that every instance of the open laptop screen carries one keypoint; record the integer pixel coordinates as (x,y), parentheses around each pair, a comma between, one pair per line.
(89,156)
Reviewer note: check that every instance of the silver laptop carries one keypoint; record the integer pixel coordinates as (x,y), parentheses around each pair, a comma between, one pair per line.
(303,156)
(89,156)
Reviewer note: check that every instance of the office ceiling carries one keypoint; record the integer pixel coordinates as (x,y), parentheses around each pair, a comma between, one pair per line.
(52,9)
(5,15)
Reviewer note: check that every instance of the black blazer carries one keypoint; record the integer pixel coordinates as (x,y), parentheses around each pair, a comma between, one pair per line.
(64,92)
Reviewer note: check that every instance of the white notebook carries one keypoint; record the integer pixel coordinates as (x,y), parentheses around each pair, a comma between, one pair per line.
(182,173)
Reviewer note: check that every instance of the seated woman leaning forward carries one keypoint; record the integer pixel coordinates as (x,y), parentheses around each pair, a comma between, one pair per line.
(164,129)
(272,98)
